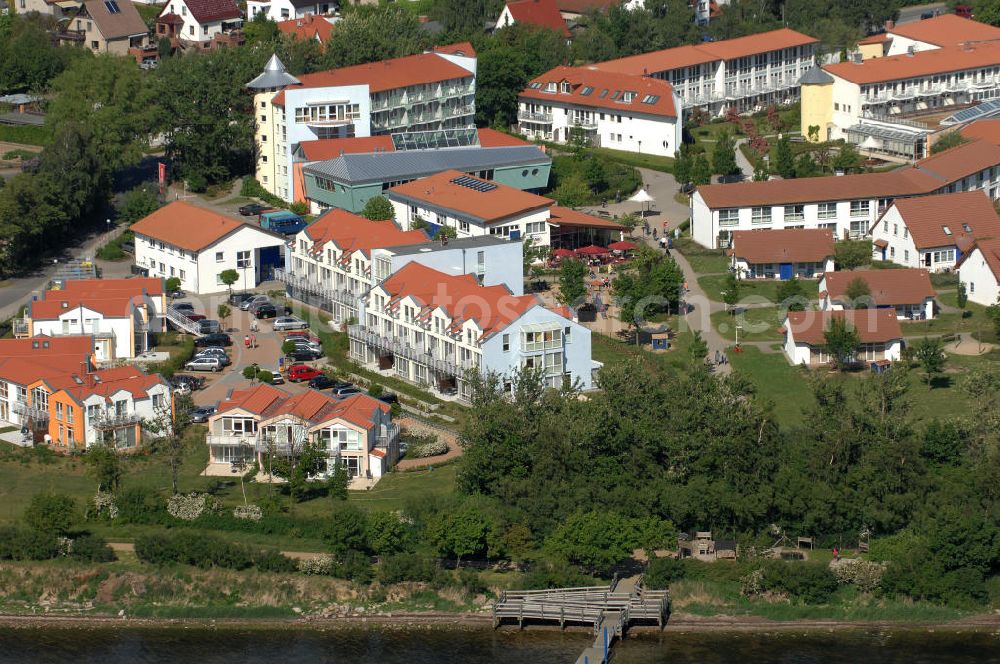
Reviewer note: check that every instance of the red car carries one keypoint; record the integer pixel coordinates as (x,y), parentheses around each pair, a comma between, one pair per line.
(300,372)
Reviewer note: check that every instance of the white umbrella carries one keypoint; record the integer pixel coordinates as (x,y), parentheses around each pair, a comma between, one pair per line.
(642,197)
(871,143)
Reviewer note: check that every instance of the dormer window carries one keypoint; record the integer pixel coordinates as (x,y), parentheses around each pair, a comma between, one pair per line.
(534,86)
(947,231)
(604,93)
(627,97)
(550,87)
(565,87)
(616,94)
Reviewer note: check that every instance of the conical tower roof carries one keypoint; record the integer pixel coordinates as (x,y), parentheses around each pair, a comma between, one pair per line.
(274,76)
(815,76)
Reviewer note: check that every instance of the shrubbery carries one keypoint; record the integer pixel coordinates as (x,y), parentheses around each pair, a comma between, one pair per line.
(18,543)
(92,548)
(199,550)
(661,572)
(406,567)
(812,583)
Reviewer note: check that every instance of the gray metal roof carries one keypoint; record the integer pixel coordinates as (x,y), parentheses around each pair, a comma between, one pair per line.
(815,76)
(412,164)
(473,242)
(274,76)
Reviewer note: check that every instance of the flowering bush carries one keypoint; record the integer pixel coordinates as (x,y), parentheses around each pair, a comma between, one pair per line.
(191,506)
(323,565)
(433,448)
(65,546)
(867,576)
(105,506)
(248,513)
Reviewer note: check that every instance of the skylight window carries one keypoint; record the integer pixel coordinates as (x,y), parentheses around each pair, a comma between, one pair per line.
(947,231)
(967,228)
(604,93)
(112,6)
(586,92)
(534,86)
(616,95)
(650,99)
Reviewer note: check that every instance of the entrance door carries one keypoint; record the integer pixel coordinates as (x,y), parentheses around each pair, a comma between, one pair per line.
(786,271)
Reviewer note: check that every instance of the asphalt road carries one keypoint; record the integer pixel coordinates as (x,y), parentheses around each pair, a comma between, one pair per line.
(912,13)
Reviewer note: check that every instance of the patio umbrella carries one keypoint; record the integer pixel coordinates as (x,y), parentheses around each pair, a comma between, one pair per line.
(562,253)
(871,143)
(642,197)
(592,250)
(622,245)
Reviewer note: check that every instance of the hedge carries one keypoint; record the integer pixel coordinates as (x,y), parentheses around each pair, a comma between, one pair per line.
(200,550)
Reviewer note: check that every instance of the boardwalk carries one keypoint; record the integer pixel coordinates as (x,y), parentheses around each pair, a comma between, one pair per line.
(608,609)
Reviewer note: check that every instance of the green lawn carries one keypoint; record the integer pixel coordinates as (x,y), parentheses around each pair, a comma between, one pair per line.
(608,350)
(652,162)
(702,260)
(395,489)
(767,289)
(758,324)
(776,381)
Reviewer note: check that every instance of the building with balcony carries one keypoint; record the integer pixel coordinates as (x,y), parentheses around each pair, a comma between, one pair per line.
(849,205)
(284,10)
(747,73)
(934,232)
(433,329)
(878,330)
(262,421)
(107,26)
(610,109)
(908,292)
(430,91)
(197,245)
(335,261)
(120,314)
(926,35)
(199,23)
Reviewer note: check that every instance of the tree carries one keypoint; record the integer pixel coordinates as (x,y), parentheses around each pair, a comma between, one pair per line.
(52,513)
(929,351)
(378,208)
(952,139)
(784,162)
(805,166)
(852,254)
(386,533)
(571,282)
(760,172)
(466,17)
(962,298)
(791,295)
(701,172)
(173,284)
(338,482)
(229,277)
(724,156)
(139,202)
(167,427)
(296,461)
(683,165)
(460,533)
(698,348)
(842,341)
(261,30)
(347,530)
(29,60)
(848,158)
(223,312)
(572,192)
(858,293)
(164,48)
(105,466)
(374,33)
(731,294)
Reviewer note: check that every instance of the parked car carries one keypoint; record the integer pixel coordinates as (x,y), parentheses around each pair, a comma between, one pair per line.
(276,377)
(208,326)
(305,343)
(193,382)
(215,351)
(251,301)
(204,364)
(322,382)
(303,334)
(265,311)
(239,298)
(177,294)
(344,392)
(388,397)
(289,323)
(183,307)
(252,209)
(305,355)
(300,372)
(202,413)
(215,339)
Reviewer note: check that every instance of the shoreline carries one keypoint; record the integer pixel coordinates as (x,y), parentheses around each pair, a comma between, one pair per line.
(680,624)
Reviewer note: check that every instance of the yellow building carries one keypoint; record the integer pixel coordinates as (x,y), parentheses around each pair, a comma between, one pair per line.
(817,104)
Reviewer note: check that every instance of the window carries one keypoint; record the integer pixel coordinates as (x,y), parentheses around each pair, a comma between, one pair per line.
(906,255)
(59,410)
(826,210)
(219,257)
(760,215)
(947,231)
(534,227)
(650,99)
(191,32)
(243,259)
(463,226)
(860,208)
(183,275)
(729,217)
(565,87)
(587,91)
(944,256)
(795,213)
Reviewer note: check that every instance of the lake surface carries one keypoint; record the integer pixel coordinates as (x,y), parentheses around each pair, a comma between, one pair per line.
(426,646)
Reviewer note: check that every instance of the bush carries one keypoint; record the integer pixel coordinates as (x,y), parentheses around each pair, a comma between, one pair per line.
(299,207)
(253,189)
(52,513)
(406,567)
(92,548)
(661,572)
(140,505)
(25,544)
(812,583)
(471,582)
(555,575)
(199,550)
(434,448)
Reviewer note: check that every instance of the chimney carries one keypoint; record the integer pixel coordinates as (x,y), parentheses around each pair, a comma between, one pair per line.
(889,25)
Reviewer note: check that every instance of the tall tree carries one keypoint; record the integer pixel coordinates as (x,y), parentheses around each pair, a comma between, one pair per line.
(784,162)
(372,33)
(842,341)
(929,351)
(571,285)
(724,156)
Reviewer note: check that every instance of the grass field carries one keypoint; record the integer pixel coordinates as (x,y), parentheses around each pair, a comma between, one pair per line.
(758,324)
(652,162)
(714,284)
(702,260)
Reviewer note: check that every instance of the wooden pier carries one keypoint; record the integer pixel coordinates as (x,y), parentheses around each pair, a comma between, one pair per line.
(609,609)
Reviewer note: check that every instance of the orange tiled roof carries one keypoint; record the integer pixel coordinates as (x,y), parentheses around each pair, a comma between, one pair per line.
(187,226)
(464,49)
(946,30)
(872,325)
(543,13)
(988,129)
(383,75)
(788,245)
(922,63)
(880,38)
(110,297)
(105,383)
(308,27)
(491,138)
(351,232)
(24,361)
(888,287)
(926,216)
(501,202)
(492,307)
(990,250)
(592,87)
(561,216)
(312,406)
(330,148)
(686,56)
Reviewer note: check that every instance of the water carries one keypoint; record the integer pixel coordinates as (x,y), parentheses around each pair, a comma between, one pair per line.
(381,646)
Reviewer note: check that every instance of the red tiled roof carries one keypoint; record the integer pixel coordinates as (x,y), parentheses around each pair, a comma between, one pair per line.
(24,361)
(383,75)
(207,11)
(308,27)
(463,49)
(491,138)
(888,287)
(880,38)
(543,13)
(110,297)
(188,226)
(105,383)
(312,406)
(946,30)
(789,245)
(137,285)
(960,161)
(604,90)
(988,129)
(925,218)
(254,400)
(491,307)
(922,63)
(686,56)
(562,216)
(170,19)
(990,249)
(501,202)
(330,148)
(351,232)
(872,325)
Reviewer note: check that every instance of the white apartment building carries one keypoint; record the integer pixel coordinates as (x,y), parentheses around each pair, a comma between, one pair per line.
(934,232)
(908,292)
(283,10)
(24,361)
(357,431)
(849,204)
(200,21)
(747,73)
(337,259)
(119,313)
(425,92)
(430,328)
(979,270)
(197,245)
(624,112)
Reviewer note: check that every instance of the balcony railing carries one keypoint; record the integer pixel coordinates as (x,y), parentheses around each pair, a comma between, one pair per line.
(584,123)
(114,421)
(314,287)
(432,360)
(19,327)
(27,410)
(525,116)
(232,439)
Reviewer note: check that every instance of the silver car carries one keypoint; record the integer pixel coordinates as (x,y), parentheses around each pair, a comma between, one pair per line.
(289,323)
(204,364)
(216,352)
(245,305)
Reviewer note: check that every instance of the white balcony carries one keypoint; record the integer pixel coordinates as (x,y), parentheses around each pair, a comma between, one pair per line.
(538,118)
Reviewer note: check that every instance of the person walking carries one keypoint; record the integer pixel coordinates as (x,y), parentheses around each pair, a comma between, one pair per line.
(246,340)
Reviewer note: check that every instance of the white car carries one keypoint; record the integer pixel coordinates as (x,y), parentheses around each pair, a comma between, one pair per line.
(204,364)
(289,323)
(216,352)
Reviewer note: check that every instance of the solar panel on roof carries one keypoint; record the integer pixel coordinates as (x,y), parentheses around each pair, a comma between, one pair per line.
(112,6)
(430,140)
(978,112)
(473,183)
